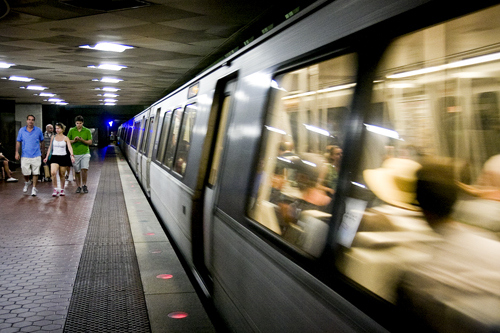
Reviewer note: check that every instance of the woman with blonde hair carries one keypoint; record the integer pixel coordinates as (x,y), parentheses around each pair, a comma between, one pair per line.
(60,157)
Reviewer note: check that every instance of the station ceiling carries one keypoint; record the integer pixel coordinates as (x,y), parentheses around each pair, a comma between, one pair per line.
(172,41)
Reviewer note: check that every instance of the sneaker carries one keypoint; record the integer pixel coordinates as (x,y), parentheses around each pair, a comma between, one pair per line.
(85,190)
(55,193)
(11,179)
(78,189)
(26,185)
(33,192)
(61,193)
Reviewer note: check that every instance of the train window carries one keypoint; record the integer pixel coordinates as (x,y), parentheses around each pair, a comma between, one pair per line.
(421,227)
(181,157)
(219,144)
(301,152)
(149,134)
(129,132)
(168,159)
(140,142)
(146,132)
(164,134)
(135,133)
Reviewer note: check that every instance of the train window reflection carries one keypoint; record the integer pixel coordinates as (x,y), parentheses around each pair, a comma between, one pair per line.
(173,137)
(135,133)
(423,229)
(163,136)
(129,131)
(301,153)
(186,132)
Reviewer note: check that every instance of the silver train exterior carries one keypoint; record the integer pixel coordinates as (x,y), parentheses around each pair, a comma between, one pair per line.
(363,100)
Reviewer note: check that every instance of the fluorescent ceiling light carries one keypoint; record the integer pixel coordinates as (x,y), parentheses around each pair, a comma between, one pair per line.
(309,163)
(55,100)
(300,95)
(337,88)
(34,88)
(21,78)
(317,130)
(62,103)
(109,103)
(105,46)
(456,64)
(110,100)
(5,65)
(110,95)
(383,131)
(110,89)
(108,80)
(108,66)
(274,129)
(46,94)
(358,184)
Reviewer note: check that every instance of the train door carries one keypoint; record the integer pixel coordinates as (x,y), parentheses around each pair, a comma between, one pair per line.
(138,148)
(153,127)
(214,163)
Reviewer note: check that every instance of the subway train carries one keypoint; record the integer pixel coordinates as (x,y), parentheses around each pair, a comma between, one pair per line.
(341,173)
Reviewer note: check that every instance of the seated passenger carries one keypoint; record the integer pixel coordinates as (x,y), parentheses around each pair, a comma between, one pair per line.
(488,183)
(283,173)
(329,177)
(309,197)
(458,289)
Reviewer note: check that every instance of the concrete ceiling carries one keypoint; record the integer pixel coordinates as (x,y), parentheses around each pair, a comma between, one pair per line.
(172,39)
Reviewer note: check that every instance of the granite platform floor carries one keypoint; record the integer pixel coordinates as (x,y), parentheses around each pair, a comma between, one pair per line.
(96,262)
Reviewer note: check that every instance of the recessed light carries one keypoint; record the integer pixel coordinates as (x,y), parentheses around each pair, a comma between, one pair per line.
(110,89)
(34,88)
(108,67)
(5,65)
(105,46)
(20,78)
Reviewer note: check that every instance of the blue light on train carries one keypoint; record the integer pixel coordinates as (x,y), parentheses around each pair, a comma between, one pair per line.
(110,124)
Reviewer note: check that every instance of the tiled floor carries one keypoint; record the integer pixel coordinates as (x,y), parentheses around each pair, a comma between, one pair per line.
(41,240)
(41,244)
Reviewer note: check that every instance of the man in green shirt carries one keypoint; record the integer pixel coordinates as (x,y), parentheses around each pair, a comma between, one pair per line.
(81,139)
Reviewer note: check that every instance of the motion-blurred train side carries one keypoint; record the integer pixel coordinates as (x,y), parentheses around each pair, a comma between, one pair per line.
(341,173)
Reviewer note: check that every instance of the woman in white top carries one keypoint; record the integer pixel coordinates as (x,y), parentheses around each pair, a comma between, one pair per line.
(60,156)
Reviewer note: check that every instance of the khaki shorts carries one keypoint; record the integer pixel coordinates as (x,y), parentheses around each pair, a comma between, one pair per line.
(81,162)
(31,165)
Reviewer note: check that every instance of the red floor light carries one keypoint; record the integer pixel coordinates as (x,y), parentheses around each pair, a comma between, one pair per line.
(164,276)
(178,315)
(155,251)
(150,234)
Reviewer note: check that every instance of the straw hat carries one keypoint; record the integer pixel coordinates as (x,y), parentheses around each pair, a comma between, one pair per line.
(395,182)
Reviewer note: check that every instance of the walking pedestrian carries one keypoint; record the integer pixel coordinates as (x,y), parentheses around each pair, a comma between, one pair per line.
(60,156)
(81,139)
(30,141)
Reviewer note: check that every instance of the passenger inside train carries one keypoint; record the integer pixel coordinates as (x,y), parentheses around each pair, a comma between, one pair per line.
(427,104)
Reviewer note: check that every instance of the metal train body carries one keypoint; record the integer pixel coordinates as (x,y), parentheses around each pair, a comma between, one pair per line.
(200,173)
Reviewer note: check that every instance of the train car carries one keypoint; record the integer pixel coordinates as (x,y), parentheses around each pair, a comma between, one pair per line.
(341,173)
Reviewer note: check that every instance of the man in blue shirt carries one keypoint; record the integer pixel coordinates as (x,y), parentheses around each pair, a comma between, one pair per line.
(31,138)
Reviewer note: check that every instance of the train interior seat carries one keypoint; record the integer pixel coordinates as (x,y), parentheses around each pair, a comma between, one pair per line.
(310,233)
(265,213)
(481,213)
(384,246)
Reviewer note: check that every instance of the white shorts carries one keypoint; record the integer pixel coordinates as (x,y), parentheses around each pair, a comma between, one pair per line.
(31,165)
(81,162)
